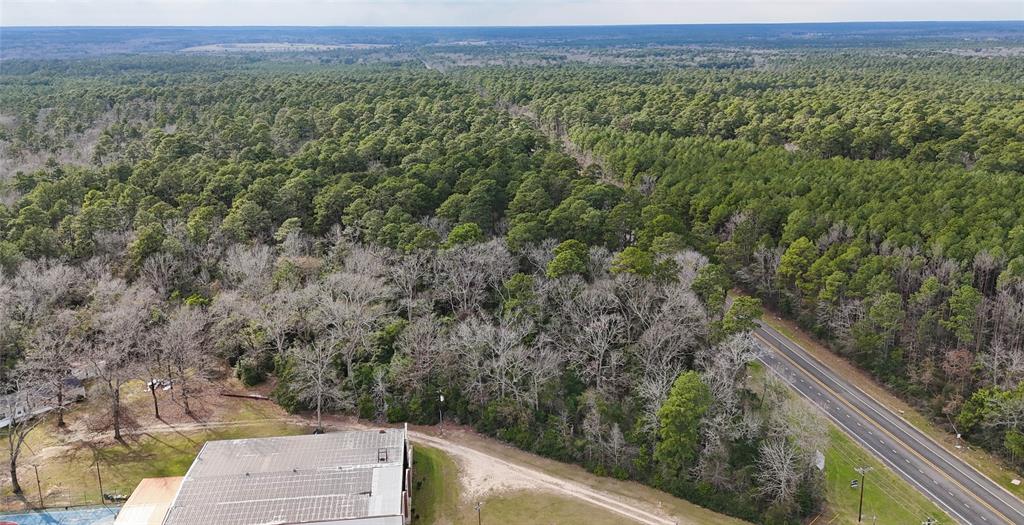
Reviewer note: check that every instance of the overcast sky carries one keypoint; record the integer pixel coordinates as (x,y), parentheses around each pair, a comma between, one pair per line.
(490,12)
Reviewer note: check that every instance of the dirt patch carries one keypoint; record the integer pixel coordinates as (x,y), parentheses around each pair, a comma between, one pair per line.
(484,474)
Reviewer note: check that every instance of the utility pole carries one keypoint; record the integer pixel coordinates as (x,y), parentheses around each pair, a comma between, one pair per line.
(440,414)
(96,458)
(39,487)
(860,508)
(479,505)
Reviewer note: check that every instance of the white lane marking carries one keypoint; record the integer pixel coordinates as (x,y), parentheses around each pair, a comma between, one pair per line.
(899,422)
(940,502)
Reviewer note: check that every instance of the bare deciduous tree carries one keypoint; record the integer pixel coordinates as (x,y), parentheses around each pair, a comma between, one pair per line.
(464,274)
(407,272)
(121,318)
(762,270)
(422,353)
(778,474)
(379,391)
(688,263)
(724,367)
(158,272)
(25,396)
(249,268)
(350,308)
(314,375)
(53,348)
(281,313)
(38,287)
(1004,367)
(184,347)
(541,254)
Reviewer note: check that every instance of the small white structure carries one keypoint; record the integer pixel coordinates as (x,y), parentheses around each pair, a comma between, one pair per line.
(22,408)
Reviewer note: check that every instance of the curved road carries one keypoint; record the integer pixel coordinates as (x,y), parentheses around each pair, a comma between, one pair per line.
(967,495)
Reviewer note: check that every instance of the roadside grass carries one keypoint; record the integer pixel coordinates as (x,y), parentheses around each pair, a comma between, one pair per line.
(986,463)
(886,496)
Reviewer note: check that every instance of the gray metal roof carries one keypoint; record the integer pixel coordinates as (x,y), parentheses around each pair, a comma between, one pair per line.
(295,479)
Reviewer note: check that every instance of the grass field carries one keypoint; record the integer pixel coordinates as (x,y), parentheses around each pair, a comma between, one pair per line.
(435,487)
(988,464)
(66,458)
(886,496)
(437,500)
(69,475)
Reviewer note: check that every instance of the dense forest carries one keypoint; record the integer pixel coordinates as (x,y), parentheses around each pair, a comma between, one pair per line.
(548,243)
(878,200)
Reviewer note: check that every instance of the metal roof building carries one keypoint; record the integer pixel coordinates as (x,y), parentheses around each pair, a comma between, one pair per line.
(345,478)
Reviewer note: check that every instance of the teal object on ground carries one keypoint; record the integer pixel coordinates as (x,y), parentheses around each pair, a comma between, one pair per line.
(84,516)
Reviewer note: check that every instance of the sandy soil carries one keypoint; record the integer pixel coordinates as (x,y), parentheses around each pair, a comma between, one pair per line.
(483,474)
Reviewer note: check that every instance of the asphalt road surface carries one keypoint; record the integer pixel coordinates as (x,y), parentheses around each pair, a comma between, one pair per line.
(967,495)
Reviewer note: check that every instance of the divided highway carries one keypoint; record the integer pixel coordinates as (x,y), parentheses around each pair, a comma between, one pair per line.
(967,495)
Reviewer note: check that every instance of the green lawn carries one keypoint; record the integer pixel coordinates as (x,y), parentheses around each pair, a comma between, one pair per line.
(435,487)
(69,477)
(886,495)
(534,508)
(436,500)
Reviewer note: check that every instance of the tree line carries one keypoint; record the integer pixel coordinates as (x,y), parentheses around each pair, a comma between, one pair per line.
(911,265)
(378,236)
(375,239)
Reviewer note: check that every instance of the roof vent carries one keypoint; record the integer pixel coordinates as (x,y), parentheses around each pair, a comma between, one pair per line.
(382,455)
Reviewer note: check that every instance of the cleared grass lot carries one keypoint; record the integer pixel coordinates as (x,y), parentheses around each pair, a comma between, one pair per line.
(67,457)
(438,500)
(68,475)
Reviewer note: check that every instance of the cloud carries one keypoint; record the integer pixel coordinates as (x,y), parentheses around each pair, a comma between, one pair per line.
(489,12)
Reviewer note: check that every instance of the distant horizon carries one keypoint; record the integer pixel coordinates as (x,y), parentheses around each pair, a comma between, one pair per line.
(510,26)
(492,13)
